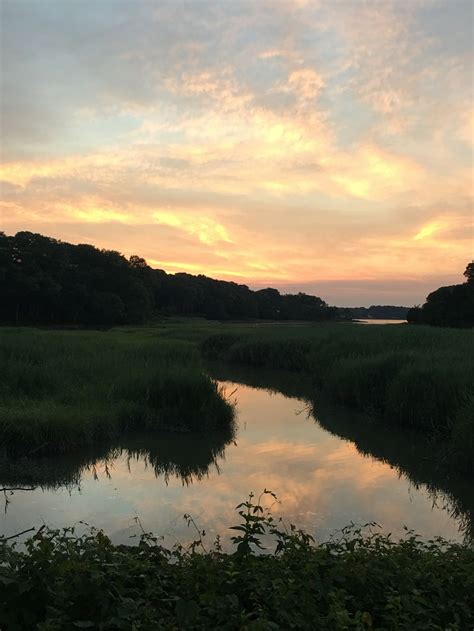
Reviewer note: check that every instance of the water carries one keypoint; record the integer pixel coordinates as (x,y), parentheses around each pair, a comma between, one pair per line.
(380,321)
(326,473)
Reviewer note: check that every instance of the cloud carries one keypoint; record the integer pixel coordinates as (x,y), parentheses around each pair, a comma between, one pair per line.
(208,231)
(304,83)
(268,143)
(466,131)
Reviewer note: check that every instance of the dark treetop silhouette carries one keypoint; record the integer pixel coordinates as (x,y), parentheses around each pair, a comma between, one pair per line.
(448,306)
(47,281)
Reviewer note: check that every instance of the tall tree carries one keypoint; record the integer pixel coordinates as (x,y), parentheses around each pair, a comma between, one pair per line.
(469,272)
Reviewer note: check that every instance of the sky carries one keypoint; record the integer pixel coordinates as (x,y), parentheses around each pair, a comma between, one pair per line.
(318,146)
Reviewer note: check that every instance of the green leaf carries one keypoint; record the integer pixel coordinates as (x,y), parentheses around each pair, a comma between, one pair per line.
(186,610)
(6,580)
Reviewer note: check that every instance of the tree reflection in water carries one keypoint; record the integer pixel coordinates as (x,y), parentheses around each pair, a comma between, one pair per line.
(191,457)
(408,452)
(188,457)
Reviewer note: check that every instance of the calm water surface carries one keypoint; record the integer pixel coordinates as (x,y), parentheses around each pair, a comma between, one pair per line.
(326,472)
(380,321)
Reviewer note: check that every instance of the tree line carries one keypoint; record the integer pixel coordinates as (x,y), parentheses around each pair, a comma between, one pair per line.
(448,306)
(47,281)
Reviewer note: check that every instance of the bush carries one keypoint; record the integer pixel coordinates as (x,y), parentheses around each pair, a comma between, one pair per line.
(356,581)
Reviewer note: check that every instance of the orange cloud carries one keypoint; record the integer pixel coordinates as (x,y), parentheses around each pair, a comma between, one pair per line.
(340,147)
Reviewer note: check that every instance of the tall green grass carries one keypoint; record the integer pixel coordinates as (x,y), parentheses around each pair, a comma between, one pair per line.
(418,377)
(60,390)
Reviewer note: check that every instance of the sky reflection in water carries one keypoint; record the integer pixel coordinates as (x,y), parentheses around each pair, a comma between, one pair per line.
(323,483)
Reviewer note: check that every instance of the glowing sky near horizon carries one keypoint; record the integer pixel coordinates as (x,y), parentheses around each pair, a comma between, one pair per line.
(317,146)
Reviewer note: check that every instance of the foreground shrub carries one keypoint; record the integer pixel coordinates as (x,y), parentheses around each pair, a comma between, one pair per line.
(355,581)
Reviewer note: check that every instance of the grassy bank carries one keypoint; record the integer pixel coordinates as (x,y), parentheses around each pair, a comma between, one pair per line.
(355,581)
(65,389)
(62,389)
(418,377)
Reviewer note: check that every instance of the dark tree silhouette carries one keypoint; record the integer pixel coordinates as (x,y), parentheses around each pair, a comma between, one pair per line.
(469,272)
(47,281)
(448,306)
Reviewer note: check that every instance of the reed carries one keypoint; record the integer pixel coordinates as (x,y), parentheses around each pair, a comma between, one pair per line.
(419,377)
(64,389)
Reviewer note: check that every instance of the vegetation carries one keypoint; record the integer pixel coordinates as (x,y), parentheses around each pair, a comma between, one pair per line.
(46,281)
(61,390)
(355,581)
(416,377)
(448,306)
(64,389)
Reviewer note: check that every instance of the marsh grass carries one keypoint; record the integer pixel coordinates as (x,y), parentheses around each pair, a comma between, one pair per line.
(419,377)
(66,388)
(60,390)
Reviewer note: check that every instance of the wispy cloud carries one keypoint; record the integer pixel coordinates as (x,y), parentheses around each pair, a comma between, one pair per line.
(270,143)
